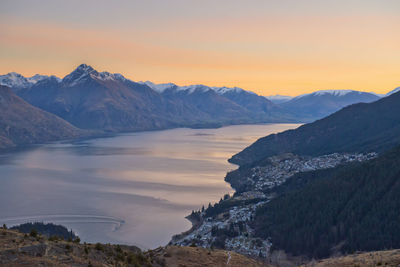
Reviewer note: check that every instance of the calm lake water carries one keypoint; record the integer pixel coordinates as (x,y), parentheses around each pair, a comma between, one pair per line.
(133,188)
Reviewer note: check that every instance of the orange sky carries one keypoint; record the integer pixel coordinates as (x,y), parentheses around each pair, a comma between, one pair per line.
(270,46)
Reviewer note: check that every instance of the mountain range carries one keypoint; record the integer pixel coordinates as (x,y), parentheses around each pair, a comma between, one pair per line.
(180,105)
(107,102)
(100,100)
(322,103)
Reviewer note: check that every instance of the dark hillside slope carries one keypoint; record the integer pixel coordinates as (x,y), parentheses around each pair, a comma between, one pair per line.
(21,123)
(356,128)
(349,208)
(260,107)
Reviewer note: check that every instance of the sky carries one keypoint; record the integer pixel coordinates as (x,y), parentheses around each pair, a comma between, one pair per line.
(286,47)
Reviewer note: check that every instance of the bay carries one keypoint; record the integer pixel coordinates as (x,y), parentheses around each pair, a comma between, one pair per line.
(132,188)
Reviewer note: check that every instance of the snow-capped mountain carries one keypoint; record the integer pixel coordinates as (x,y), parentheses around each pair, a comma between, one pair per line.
(319,104)
(158,87)
(224,90)
(16,80)
(37,78)
(337,93)
(191,88)
(233,97)
(393,91)
(97,100)
(278,99)
(84,72)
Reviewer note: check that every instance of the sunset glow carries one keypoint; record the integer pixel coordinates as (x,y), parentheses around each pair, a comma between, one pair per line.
(270,47)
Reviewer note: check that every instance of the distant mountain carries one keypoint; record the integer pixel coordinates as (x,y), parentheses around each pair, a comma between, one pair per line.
(320,104)
(393,91)
(100,100)
(279,99)
(255,103)
(17,81)
(356,128)
(104,101)
(21,123)
(248,105)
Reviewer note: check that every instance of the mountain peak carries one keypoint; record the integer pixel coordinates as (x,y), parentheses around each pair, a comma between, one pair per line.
(84,68)
(14,80)
(158,87)
(84,71)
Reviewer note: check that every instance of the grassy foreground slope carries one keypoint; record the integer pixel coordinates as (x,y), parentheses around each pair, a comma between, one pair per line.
(17,249)
(389,258)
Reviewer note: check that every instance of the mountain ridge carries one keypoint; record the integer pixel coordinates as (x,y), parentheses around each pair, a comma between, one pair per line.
(23,124)
(347,130)
(103,101)
(252,108)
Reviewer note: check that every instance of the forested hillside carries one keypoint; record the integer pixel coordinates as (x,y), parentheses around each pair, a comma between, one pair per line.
(349,208)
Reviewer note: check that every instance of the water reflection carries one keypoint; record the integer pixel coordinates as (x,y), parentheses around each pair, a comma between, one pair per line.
(132,188)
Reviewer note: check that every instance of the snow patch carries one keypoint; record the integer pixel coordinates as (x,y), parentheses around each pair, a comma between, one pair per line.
(16,80)
(393,91)
(158,87)
(279,97)
(224,90)
(338,93)
(83,71)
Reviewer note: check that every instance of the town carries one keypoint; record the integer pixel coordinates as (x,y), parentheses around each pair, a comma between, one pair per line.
(227,225)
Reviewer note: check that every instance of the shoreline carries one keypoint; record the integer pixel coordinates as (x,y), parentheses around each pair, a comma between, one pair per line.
(196,222)
(95,134)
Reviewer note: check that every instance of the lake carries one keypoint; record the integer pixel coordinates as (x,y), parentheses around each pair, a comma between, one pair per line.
(132,189)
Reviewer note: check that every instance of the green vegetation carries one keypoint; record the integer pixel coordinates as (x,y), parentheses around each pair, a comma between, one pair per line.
(99,247)
(46,229)
(348,208)
(33,233)
(225,205)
